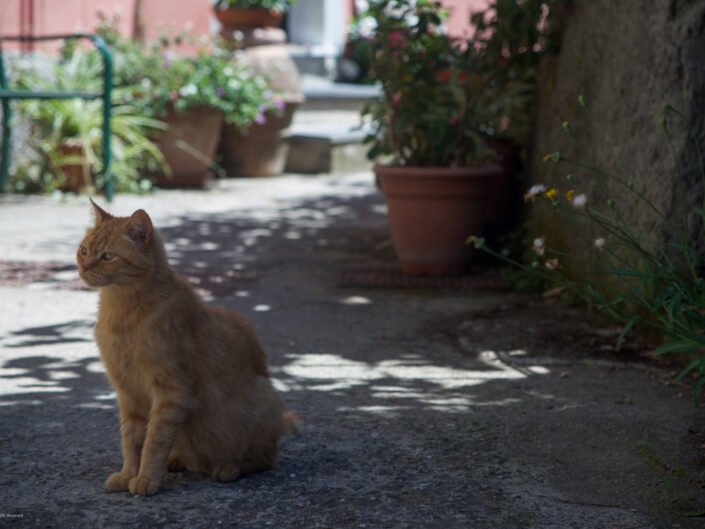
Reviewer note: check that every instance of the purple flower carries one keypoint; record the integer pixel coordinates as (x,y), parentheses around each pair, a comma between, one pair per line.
(220,91)
(260,119)
(280,104)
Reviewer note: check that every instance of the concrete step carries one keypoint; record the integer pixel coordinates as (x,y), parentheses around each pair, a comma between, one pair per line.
(326,134)
(323,94)
(327,150)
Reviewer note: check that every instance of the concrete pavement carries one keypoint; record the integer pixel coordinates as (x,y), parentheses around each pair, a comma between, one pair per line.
(421,408)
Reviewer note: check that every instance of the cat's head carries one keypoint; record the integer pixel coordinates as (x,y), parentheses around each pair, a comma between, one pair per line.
(117,250)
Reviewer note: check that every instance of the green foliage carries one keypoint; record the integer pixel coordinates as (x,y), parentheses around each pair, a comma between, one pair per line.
(274,5)
(54,122)
(162,79)
(642,278)
(432,101)
(212,79)
(442,97)
(512,38)
(150,81)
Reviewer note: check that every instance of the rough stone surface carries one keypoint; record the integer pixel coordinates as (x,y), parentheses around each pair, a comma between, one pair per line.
(628,59)
(421,408)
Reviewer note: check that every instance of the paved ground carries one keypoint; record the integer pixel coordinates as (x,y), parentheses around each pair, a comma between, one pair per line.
(422,408)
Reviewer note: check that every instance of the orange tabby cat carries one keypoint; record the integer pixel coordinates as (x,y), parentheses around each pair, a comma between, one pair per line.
(192,382)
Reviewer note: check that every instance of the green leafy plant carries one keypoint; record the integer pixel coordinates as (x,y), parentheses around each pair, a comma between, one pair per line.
(642,278)
(433,98)
(79,122)
(273,5)
(512,38)
(163,79)
(212,79)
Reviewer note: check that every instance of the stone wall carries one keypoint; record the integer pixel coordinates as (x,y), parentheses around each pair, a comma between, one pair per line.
(628,58)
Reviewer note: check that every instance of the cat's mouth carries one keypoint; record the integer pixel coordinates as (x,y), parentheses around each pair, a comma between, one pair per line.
(94,280)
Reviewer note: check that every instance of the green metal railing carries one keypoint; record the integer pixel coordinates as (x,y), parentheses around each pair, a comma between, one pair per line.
(7,95)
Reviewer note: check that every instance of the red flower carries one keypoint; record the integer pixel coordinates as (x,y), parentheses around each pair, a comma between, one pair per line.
(396,98)
(396,39)
(444,76)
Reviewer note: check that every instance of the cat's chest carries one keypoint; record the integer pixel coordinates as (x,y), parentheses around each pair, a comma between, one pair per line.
(126,347)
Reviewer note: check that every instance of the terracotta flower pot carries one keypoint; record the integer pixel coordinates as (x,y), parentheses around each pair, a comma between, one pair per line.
(233,19)
(432,211)
(189,145)
(76,170)
(262,150)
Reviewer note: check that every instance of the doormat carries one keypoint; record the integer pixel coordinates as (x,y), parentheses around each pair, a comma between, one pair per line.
(392,277)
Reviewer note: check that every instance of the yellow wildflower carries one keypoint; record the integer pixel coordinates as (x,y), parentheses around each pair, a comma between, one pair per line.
(552,194)
(570,195)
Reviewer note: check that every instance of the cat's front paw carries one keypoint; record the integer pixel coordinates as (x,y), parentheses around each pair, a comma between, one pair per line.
(142,486)
(117,482)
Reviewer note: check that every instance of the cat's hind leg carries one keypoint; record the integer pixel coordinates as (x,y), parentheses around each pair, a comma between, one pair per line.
(175,463)
(226,472)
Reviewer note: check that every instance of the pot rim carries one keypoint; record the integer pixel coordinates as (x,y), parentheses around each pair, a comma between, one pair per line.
(489,169)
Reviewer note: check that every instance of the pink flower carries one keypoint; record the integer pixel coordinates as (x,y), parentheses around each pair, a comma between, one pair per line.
(396,99)
(260,119)
(396,39)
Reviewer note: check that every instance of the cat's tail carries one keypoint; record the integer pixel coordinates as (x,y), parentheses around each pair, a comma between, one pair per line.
(291,422)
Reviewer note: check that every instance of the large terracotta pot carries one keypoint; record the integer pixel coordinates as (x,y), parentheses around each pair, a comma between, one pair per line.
(189,145)
(432,211)
(233,19)
(262,150)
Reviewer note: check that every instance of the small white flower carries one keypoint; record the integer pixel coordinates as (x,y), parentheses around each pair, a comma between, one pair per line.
(552,264)
(188,90)
(579,201)
(146,83)
(539,246)
(188,25)
(228,71)
(599,243)
(534,191)
(234,84)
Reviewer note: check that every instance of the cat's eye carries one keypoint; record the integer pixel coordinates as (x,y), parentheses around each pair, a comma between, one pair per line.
(83,250)
(107,256)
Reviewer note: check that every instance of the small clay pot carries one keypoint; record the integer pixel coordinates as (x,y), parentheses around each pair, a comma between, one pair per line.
(233,19)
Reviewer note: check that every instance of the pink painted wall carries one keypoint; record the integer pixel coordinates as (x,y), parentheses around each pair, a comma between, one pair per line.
(70,16)
(460,10)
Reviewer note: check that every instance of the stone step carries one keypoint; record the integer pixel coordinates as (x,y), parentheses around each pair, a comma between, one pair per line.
(332,149)
(326,135)
(322,94)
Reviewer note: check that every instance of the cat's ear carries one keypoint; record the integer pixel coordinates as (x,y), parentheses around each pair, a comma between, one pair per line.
(100,214)
(139,228)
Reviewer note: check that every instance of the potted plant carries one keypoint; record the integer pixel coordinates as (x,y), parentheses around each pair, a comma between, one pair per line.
(239,14)
(67,134)
(437,177)
(195,96)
